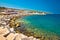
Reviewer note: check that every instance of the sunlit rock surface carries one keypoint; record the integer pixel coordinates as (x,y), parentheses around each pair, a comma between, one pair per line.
(2,37)
(4,31)
(11,36)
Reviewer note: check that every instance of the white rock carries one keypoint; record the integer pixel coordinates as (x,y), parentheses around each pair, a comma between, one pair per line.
(25,39)
(4,23)
(1,27)
(20,36)
(30,38)
(4,31)
(2,37)
(11,29)
(17,37)
(23,36)
(38,39)
(34,39)
(11,36)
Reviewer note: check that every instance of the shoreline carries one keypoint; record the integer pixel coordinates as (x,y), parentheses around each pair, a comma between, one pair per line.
(17,31)
(9,29)
(9,33)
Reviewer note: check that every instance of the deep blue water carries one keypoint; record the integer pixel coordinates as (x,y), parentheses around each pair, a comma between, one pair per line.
(49,22)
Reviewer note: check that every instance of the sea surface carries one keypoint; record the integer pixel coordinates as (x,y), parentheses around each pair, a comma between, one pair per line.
(45,24)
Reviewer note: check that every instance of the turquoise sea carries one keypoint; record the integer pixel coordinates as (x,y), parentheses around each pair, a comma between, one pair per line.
(46,24)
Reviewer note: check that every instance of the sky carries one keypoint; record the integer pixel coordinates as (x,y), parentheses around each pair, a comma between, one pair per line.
(52,6)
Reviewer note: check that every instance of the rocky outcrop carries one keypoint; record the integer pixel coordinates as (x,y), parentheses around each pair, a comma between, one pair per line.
(9,34)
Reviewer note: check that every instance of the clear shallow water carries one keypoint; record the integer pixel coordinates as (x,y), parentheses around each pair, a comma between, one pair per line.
(48,23)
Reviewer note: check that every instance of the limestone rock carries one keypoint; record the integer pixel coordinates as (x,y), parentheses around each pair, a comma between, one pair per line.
(2,37)
(20,36)
(31,38)
(25,39)
(12,30)
(4,31)
(11,36)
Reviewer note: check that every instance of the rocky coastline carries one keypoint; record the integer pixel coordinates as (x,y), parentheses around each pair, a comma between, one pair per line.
(8,33)
(11,30)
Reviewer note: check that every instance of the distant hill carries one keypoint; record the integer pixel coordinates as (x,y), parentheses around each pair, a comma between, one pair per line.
(31,11)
